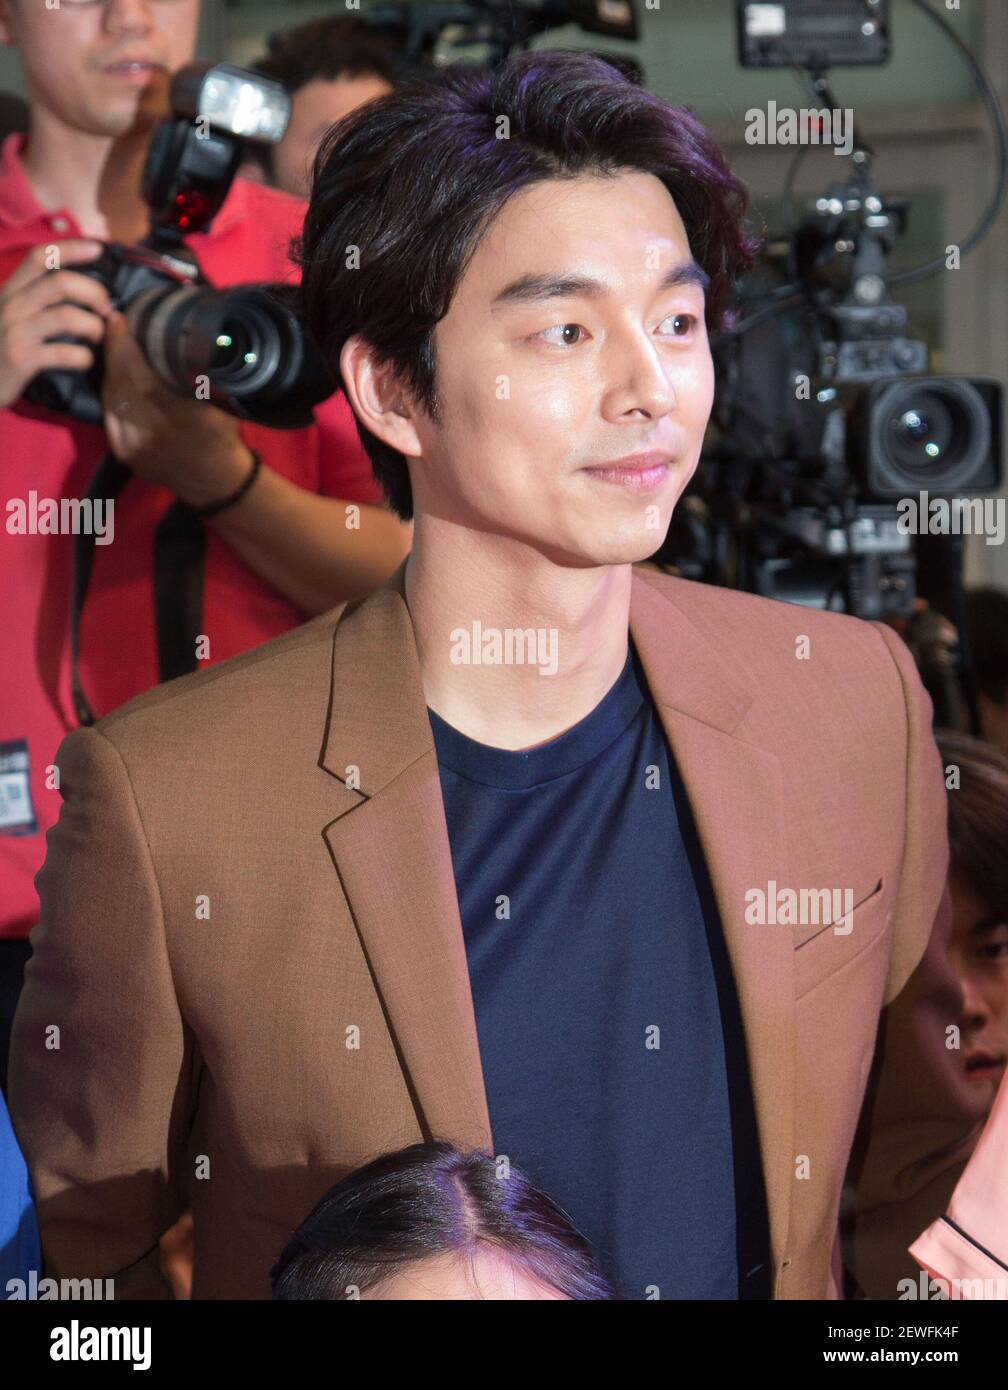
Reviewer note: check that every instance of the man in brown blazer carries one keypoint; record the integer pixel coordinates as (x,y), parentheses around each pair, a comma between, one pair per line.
(252,972)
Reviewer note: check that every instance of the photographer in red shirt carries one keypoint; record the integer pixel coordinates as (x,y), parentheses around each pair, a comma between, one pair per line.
(309,532)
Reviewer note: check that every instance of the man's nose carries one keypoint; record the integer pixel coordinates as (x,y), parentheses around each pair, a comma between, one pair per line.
(125,16)
(641,379)
(976,1010)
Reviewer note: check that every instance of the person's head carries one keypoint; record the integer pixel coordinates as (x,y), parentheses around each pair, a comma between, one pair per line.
(506,273)
(431,1222)
(987,615)
(73,58)
(978,879)
(330,66)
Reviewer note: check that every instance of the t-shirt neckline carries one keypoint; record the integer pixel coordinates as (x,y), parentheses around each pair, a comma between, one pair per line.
(522,768)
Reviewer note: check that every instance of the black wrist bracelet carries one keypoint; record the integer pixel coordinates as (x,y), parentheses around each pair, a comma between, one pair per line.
(215,508)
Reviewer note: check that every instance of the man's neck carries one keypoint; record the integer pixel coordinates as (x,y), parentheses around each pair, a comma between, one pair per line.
(580,618)
(95,177)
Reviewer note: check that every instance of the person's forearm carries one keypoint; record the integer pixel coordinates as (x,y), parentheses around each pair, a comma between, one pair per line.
(301,543)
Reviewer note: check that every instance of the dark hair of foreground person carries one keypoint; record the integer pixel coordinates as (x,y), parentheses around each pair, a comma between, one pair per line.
(425,1201)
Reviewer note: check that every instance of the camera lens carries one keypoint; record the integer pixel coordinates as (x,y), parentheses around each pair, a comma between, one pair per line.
(233,350)
(245,342)
(922,435)
(232,337)
(932,433)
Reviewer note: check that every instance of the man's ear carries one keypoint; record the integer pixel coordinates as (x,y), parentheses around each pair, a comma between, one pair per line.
(378,398)
(6,27)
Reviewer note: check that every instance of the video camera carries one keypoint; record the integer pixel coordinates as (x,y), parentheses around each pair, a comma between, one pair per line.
(245,344)
(822,422)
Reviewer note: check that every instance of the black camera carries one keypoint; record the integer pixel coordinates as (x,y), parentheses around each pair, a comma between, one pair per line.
(245,348)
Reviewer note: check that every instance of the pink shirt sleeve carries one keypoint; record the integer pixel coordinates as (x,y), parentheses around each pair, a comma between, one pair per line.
(968,1246)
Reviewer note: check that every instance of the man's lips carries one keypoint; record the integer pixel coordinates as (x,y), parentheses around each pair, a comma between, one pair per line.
(982,1066)
(135,63)
(635,472)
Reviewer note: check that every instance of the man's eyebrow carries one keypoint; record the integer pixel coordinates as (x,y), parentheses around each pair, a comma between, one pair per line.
(538,289)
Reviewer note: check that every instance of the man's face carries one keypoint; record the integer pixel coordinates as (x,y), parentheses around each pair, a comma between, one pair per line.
(978,953)
(75,58)
(316,106)
(538,384)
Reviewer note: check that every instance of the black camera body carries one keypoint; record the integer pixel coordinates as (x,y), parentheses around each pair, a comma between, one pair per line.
(244,349)
(126,272)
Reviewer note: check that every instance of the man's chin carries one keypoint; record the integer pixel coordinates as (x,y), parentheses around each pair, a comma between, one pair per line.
(632,544)
(119,121)
(136,111)
(607,552)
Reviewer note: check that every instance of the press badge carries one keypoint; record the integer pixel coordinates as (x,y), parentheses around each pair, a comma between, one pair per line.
(17,816)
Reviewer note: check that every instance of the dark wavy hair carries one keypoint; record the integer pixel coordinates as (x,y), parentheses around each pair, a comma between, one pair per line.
(327,48)
(987,610)
(414,178)
(978,817)
(426,1200)
(333,46)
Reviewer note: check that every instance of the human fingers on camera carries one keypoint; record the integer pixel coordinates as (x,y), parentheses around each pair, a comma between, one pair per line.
(27,347)
(22,357)
(31,309)
(34,270)
(61,286)
(64,319)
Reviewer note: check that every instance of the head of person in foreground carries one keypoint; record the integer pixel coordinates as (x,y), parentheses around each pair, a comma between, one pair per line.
(432,1222)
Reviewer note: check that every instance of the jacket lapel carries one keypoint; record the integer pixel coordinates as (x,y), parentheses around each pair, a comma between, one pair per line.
(392,854)
(391,851)
(735,791)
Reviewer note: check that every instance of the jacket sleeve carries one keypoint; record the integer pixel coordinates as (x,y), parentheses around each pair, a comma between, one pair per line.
(918,1121)
(100,1079)
(922,904)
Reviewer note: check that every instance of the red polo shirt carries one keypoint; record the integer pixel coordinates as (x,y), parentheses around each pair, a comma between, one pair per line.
(54,457)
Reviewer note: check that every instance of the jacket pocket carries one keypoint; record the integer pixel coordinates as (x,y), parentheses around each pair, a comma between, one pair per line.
(828,947)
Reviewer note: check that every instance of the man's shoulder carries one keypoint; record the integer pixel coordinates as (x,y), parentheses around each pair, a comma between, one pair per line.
(266,680)
(735,617)
(802,662)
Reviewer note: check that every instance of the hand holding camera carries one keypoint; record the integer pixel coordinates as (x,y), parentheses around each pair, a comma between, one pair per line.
(36,304)
(172,440)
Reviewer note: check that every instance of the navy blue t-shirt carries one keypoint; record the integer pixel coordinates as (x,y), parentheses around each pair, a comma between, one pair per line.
(608,1024)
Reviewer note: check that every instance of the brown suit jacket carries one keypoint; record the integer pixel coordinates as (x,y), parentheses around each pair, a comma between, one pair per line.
(251,949)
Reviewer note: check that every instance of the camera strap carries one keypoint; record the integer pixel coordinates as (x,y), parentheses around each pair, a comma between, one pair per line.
(179,567)
(179,559)
(107,481)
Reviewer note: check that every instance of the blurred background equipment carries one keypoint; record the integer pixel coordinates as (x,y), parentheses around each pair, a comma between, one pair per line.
(821,424)
(492,29)
(815,34)
(827,411)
